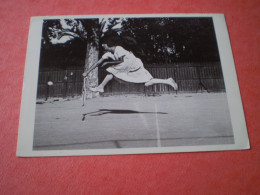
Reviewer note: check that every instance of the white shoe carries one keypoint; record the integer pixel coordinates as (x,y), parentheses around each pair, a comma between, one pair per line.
(97,89)
(173,84)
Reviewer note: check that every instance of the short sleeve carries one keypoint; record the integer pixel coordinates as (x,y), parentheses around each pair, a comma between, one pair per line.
(108,55)
(120,52)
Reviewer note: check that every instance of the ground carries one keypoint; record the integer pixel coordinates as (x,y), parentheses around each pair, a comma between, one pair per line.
(133,121)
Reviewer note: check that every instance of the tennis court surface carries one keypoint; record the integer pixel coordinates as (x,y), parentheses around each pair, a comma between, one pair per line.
(133,121)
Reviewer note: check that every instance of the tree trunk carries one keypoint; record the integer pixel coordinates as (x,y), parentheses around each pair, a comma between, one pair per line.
(92,79)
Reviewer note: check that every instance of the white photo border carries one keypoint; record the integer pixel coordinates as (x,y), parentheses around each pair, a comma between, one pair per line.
(28,104)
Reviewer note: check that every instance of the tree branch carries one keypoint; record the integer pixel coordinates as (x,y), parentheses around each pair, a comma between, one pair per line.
(68,33)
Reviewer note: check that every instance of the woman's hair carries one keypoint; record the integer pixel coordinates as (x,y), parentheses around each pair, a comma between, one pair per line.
(127,42)
(112,39)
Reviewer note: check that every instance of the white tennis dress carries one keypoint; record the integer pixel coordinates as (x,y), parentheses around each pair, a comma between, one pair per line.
(130,70)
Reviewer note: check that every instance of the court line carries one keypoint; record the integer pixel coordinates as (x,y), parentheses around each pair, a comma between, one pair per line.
(157,128)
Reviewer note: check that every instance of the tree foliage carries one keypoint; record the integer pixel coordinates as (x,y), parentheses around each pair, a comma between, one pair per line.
(157,40)
(173,39)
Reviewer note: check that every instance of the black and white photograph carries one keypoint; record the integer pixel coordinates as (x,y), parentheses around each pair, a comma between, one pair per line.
(130,84)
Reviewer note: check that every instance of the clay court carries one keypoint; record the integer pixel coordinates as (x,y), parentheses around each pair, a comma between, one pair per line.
(133,121)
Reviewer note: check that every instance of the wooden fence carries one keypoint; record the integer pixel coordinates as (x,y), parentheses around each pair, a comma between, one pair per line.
(191,77)
(65,83)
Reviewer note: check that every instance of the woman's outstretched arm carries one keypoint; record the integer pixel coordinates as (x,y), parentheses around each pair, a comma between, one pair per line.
(107,55)
(100,61)
(110,63)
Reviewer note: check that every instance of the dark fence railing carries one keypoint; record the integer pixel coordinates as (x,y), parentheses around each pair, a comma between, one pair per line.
(65,83)
(191,77)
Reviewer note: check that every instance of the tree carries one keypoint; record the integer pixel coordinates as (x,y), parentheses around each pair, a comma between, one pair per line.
(86,31)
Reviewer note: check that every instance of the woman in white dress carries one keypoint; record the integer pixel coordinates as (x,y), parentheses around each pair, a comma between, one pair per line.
(127,67)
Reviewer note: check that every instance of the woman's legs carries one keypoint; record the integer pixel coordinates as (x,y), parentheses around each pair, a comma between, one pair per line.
(168,81)
(100,88)
(109,77)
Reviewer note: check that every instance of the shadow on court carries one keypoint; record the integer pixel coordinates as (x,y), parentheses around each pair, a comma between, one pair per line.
(101,112)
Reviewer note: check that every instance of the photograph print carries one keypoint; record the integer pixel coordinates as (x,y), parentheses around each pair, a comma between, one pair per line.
(130,84)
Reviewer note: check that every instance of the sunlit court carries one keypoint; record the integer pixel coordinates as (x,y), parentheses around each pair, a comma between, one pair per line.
(133,121)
